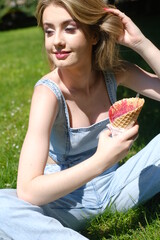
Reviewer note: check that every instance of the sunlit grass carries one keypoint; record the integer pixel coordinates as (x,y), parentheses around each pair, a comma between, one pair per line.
(22,63)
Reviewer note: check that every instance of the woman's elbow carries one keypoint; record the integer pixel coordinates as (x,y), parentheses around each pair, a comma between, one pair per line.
(25,195)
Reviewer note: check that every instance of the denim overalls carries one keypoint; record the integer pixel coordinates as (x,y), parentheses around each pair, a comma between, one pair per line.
(118,187)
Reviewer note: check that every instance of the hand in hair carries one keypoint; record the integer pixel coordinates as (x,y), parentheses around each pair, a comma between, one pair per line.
(132,36)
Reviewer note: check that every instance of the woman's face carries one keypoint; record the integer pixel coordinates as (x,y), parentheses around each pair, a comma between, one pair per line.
(65,40)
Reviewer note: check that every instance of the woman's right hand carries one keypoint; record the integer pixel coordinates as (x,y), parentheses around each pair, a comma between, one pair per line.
(111,150)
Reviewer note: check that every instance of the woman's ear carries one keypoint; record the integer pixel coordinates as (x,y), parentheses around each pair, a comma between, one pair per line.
(95,38)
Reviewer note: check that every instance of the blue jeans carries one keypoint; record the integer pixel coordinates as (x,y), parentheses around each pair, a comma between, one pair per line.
(121,188)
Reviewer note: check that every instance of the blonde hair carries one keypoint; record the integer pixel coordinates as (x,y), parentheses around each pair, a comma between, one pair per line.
(106,26)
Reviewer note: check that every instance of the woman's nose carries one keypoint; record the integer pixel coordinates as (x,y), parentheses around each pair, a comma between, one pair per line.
(58,39)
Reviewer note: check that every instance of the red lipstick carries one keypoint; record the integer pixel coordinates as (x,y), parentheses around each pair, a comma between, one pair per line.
(62,55)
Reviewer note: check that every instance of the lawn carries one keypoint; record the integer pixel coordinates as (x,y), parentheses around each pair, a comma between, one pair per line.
(22,63)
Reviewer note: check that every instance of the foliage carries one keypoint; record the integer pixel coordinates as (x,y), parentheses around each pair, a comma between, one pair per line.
(29,7)
(7,7)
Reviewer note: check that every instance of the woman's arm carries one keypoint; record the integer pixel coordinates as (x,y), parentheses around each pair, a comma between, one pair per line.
(136,78)
(140,81)
(134,39)
(35,187)
(35,148)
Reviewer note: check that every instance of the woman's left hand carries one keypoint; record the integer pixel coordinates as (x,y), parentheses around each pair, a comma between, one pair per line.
(132,36)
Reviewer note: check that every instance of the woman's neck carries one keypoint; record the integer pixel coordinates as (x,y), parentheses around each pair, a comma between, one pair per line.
(79,80)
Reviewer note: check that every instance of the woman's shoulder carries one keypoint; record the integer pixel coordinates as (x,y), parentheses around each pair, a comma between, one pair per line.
(124,73)
(52,76)
(50,82)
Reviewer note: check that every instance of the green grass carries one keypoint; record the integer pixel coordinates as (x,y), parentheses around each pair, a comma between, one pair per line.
(22,63)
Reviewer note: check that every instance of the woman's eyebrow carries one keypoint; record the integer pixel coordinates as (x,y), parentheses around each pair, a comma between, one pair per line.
(48,24)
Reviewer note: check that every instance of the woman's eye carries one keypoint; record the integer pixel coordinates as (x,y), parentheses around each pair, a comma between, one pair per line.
(48,31)
(70,29)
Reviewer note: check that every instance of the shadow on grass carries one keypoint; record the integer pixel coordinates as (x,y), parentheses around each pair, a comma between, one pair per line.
(123,224)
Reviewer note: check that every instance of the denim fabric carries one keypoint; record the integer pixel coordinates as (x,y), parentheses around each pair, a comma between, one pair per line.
(3,236)
(69,145)
(118,187)
(21,220)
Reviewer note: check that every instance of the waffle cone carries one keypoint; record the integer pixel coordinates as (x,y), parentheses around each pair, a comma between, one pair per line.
(124,113)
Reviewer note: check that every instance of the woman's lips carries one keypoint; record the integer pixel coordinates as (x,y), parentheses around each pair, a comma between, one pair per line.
(62,55)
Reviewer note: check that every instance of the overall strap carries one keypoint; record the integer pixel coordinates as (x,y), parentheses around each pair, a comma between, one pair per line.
(51,85)
(63,111)
(111,86)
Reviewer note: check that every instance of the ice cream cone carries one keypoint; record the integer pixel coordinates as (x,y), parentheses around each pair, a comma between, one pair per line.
(124,113)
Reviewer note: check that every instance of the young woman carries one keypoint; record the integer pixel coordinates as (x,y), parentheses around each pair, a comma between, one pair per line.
(68,126)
